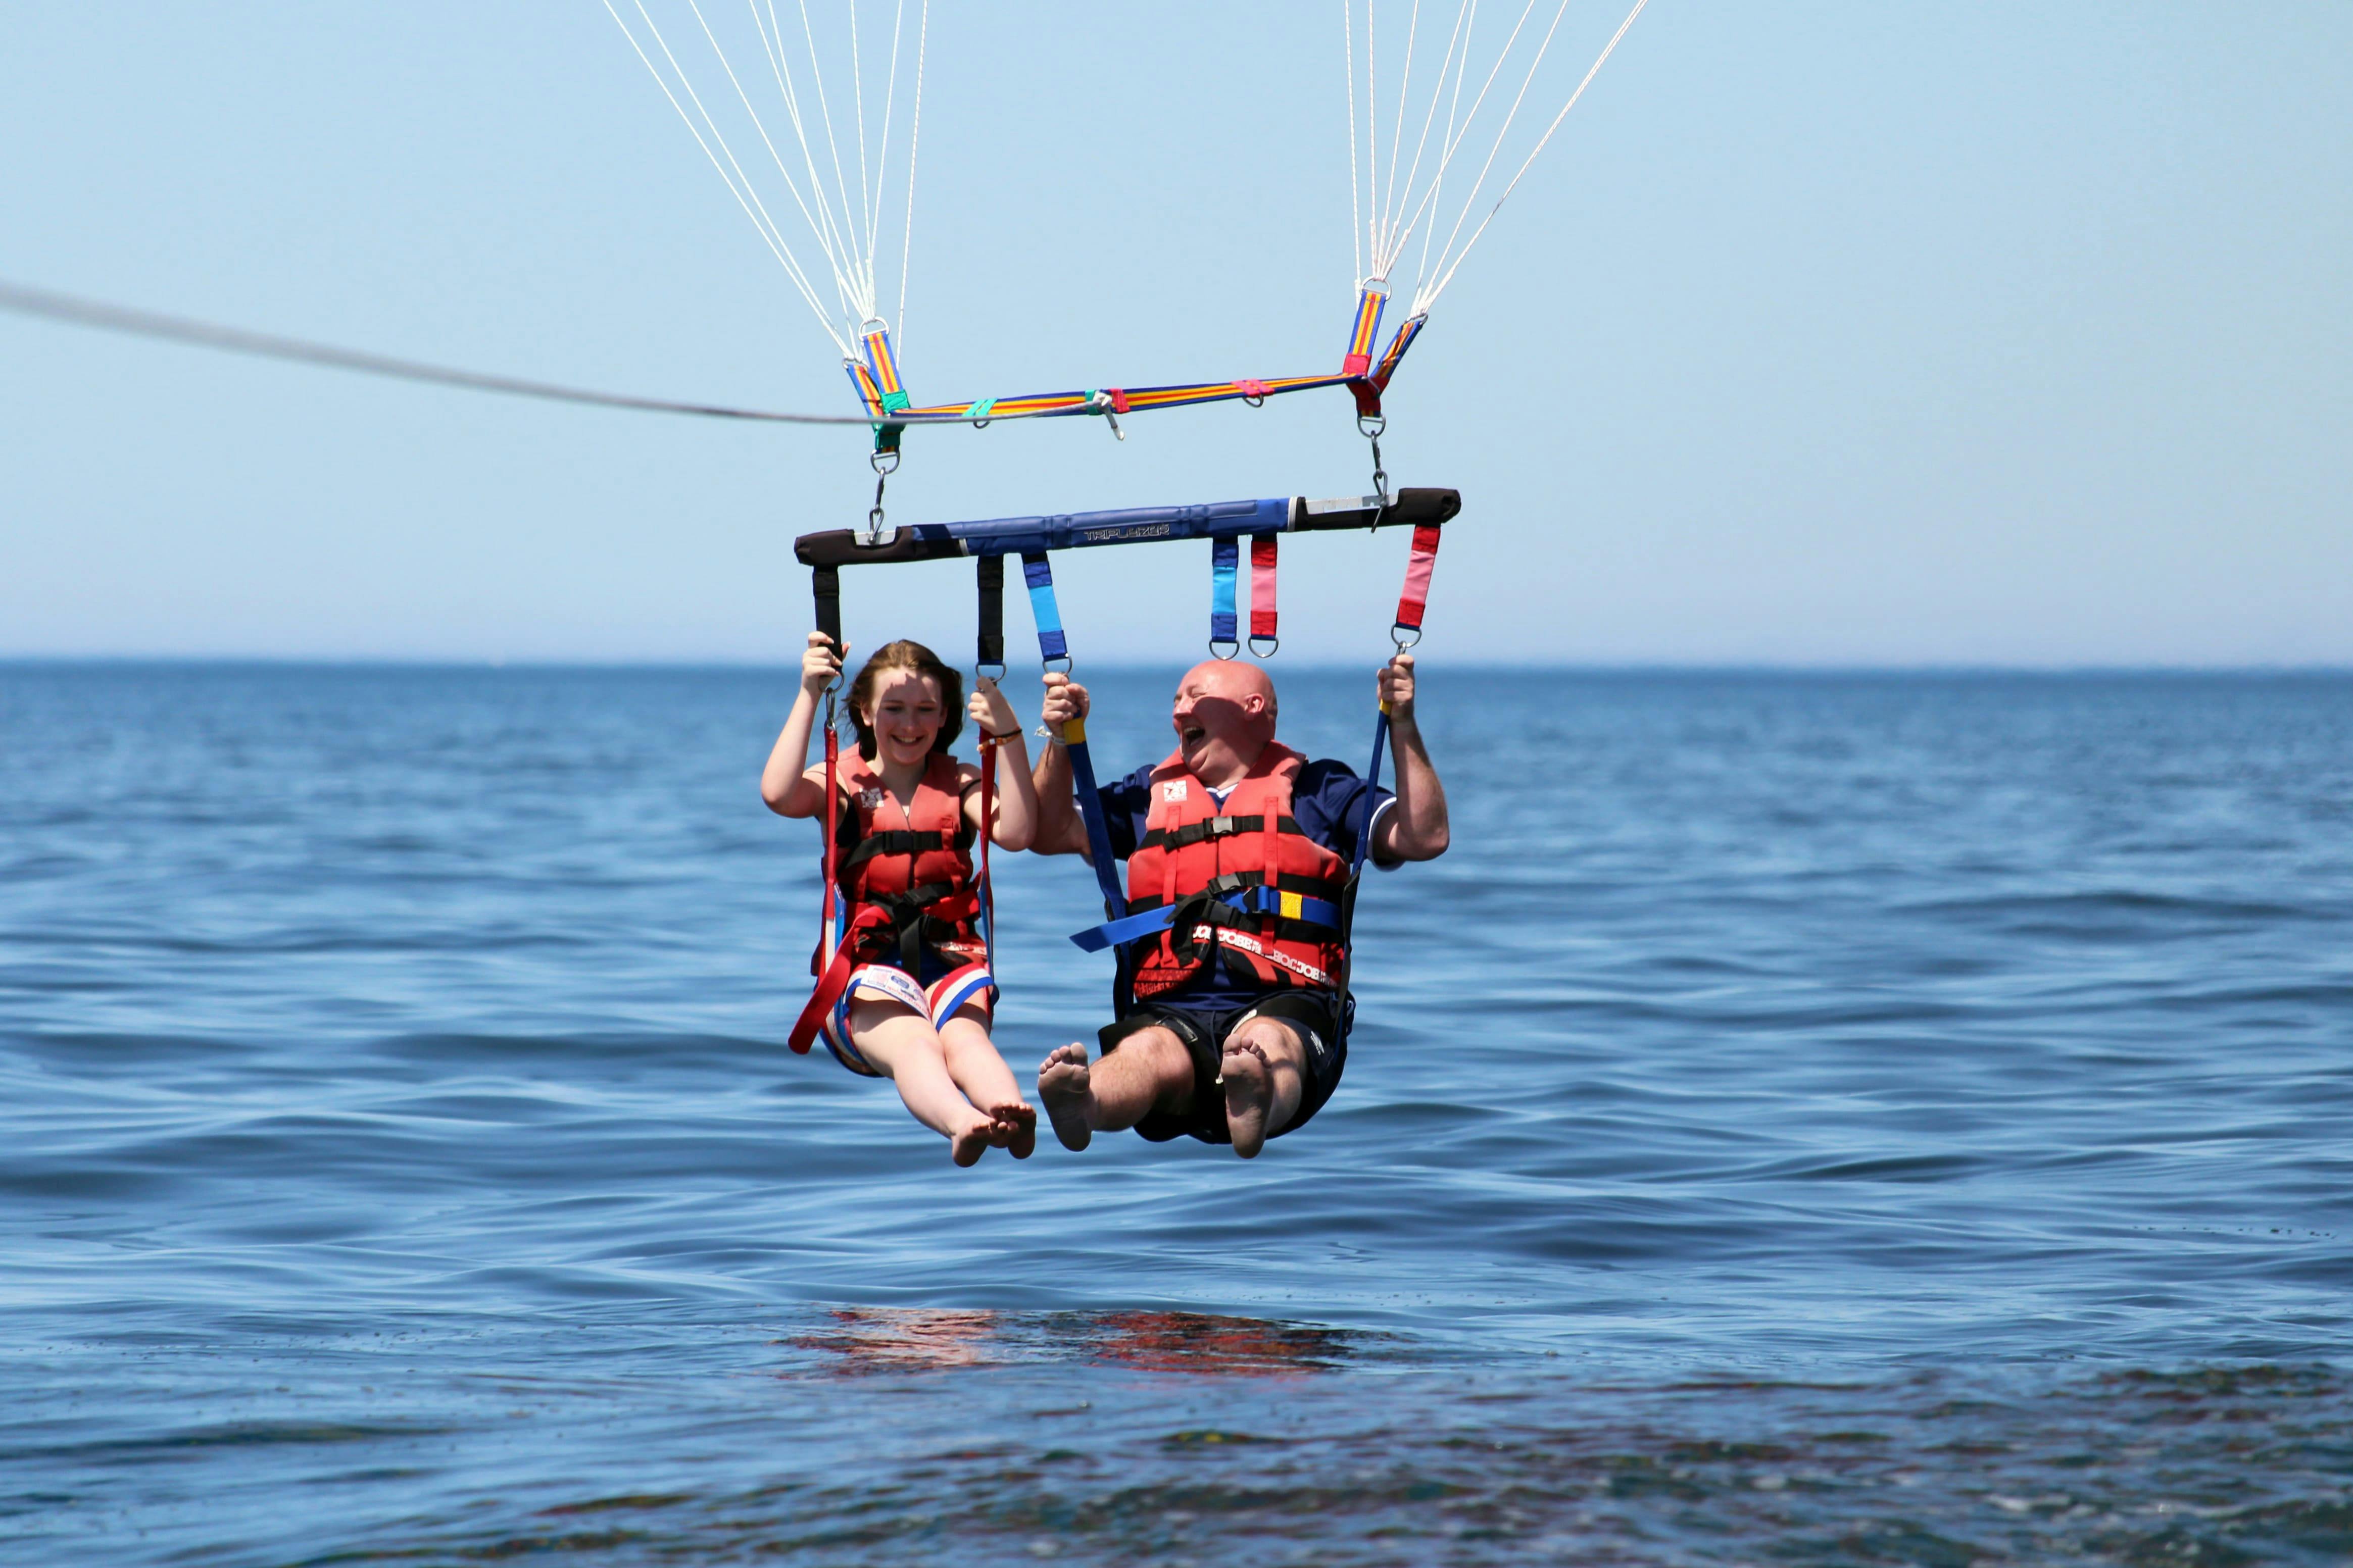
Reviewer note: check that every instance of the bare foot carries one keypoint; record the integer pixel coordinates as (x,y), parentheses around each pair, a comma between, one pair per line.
(1249,1095)
(1014,1128)
(968,1144)
(1063,1085)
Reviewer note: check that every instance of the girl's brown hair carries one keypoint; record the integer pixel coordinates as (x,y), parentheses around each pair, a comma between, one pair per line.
(905,654)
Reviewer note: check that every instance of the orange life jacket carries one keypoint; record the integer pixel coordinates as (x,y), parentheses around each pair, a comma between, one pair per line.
(912,862)
(1195,853)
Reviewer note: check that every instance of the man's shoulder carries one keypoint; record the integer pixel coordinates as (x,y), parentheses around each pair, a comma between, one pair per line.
(1317,770)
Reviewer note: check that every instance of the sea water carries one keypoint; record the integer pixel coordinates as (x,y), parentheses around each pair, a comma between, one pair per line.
(1803,1119)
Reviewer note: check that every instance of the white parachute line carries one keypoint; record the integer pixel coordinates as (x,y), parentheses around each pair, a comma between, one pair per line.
(1355,212)
(857,112)
(745,99)
(749,190)
(1456,138)
(1438,180)
(835,242)
(914,143)
(748,201)
(1396,133)
(1454,40)
(1423,301)
(825,112)
(1421,293)
(882,148)
(1372,135)
(828,235)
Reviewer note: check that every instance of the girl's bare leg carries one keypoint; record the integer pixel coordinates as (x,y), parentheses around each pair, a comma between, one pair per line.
(988,1082)
(902,1046)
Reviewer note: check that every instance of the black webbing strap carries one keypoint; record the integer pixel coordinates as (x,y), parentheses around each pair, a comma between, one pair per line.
(989,570)
(824,582)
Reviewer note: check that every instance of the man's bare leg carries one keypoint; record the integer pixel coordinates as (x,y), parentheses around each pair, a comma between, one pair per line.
(988,1082)
(902,1046)
(1264,1071)
(1150,1071)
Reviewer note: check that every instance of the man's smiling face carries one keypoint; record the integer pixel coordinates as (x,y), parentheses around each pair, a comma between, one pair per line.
(1224,717)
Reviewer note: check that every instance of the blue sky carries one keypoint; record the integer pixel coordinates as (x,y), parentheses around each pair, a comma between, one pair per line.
(1824,335)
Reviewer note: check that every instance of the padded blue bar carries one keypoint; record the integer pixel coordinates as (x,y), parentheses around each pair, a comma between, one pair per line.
(1073,531)
(1225,564)
(1040,576)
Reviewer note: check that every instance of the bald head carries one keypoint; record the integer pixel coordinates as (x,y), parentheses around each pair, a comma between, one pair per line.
(1233,678)
(1224,715)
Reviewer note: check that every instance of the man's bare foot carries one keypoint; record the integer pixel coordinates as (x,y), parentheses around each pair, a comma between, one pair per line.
(1249,1095)
(1014,1128)
(1063,1085)
(968,1144)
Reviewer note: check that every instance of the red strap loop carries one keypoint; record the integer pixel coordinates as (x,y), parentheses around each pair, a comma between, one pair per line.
(1262,610)
(1415,600)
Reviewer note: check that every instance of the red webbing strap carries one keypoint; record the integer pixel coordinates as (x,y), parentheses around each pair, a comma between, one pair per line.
(1415,600)
(987,831)
(1263,613)
(828,987)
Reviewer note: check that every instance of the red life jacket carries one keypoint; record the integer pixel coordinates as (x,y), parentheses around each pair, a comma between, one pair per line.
(1194,852)
(914,863)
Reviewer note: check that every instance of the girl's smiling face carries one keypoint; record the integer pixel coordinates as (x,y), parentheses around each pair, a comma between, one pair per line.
(906,715)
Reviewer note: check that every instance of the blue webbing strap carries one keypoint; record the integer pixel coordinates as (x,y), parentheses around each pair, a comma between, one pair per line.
(1256,900)
(1372,788)
(1051,646)
(1225,570)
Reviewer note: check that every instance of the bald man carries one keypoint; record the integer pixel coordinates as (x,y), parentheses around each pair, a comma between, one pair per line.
(1230,1027)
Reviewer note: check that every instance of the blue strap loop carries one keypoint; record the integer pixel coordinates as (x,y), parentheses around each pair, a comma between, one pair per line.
(1225,574)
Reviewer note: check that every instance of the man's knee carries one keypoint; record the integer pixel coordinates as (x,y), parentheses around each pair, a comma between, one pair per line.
(1157,1052)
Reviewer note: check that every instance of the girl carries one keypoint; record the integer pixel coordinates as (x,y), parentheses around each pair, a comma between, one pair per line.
(917,1008)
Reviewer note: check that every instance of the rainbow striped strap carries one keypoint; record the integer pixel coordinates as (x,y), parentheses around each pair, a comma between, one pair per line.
(1365,331)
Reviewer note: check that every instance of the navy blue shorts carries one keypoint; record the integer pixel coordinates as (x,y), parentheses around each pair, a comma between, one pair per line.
(1204,1030)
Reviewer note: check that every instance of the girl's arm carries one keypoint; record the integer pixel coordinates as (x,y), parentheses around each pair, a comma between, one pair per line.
(786,784)
(1016,801)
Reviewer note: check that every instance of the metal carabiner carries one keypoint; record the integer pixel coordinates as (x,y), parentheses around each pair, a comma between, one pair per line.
(884,463)
(1373,427)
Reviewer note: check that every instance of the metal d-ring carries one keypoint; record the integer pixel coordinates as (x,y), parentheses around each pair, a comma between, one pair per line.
(1233,647)
(1271,645)
(1402,644)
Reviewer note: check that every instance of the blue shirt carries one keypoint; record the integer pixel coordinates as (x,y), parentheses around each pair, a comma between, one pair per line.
(1327,801)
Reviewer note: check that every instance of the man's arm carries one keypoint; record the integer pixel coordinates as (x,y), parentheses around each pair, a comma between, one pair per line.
(1061,830)
(1414,828)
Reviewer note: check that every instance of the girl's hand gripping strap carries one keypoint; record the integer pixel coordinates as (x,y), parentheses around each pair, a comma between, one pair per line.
(1051,646)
